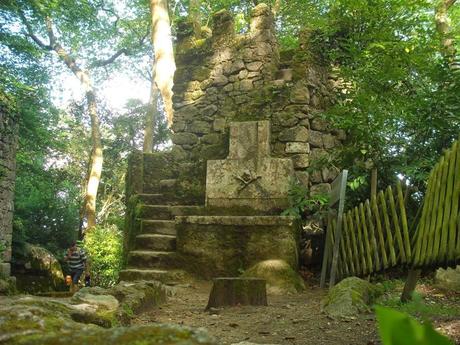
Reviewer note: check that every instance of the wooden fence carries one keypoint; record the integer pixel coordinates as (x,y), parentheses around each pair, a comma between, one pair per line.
(437,238)
(375,234)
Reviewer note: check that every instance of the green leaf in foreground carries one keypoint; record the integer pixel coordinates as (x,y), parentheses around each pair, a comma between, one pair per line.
(397,328)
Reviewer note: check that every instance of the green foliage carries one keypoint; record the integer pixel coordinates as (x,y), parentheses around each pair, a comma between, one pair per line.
(104,246)
(397,328)
(304,204)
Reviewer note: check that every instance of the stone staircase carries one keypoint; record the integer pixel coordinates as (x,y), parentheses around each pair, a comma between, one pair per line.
(154,254)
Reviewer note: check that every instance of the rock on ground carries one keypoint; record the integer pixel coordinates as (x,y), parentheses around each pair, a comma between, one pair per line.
(85,318)
(38,271)
(350,297)
(448,279)
(280,277)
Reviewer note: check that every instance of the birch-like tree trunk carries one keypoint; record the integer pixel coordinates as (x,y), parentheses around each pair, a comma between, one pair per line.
(152,115)
(165,65)
(443,26)
(195,17)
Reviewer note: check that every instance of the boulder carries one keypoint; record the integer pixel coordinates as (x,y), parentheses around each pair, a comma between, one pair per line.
(123,300)
(33,320)
(350,297)
(280,276)
(8,286)
(38,271)
(448,279)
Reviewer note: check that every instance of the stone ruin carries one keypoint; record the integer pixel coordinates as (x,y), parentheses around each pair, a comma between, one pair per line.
(248,122)
(8,144)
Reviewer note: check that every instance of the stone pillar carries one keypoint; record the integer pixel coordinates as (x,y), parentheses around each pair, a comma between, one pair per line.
(8,144)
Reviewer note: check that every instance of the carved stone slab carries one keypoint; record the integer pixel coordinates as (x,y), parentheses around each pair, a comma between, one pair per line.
(249,177)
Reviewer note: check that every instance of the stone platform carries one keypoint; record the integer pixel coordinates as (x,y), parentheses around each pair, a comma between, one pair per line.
(213,246)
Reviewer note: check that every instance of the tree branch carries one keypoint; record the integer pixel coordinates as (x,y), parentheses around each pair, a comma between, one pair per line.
(31,34)
(117,54)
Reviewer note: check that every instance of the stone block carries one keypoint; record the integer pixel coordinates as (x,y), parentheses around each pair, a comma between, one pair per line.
(184,138)
(254,66)
(219,125)
(300,94)
(317,154)
(209,110)
(319,124)
(246,85)
(298,133)
(329,174)
(285,119)
(5,269)
(178,126)
(322,188)
(303,177)
(315,138)
(301,161)
(249,140)
(220,80)
(223,245)
(316,177)
(212,138)
(329,141)
(297,147)
(200,127)
(243,74)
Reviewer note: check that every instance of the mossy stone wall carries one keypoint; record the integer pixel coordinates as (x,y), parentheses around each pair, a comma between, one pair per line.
(8,145)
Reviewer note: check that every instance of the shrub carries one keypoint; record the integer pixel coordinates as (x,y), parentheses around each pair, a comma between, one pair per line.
(104,245)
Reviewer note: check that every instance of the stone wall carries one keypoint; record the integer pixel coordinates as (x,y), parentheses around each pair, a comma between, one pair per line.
(241,77)
(8,143)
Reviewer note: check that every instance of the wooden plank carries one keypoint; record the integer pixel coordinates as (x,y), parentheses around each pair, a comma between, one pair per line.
(367,246)
(378,224)
(373,241)
(403,216)
(428,254)
(440,212)
(326,254)
(424,224)
(352,231)
(342,260)
(397,229)
(443,247)
(453,234)
(348,246)
(338,231)
(362,253)
(386,220)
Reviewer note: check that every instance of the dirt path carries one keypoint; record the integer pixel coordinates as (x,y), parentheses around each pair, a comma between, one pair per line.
(292,319)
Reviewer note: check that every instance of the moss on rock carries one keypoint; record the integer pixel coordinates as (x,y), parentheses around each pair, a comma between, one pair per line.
(280,276)
(350,297)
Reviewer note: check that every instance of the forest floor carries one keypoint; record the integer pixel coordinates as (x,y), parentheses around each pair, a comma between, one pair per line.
(297,319)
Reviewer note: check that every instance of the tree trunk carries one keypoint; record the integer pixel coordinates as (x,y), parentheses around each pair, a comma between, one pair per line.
(152,115)
(443,26)
(164,54)
(95,162)
(409,287)
(194,17)
(237,291)
(373,182)
(276,7)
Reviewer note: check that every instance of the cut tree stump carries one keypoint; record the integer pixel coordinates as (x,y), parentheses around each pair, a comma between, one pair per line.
(237,291)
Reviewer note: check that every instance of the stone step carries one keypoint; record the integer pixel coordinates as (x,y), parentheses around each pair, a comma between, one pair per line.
(187,210)
(152,199)
(132,274)
(168,212)
(168,185)
(151,259)
(155,212)
(164,227)
(169,277)
(156,242)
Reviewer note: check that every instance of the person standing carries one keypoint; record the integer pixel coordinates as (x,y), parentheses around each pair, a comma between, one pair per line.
(76,259)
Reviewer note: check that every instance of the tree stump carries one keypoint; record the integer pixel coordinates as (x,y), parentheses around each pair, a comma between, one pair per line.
(237,291)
